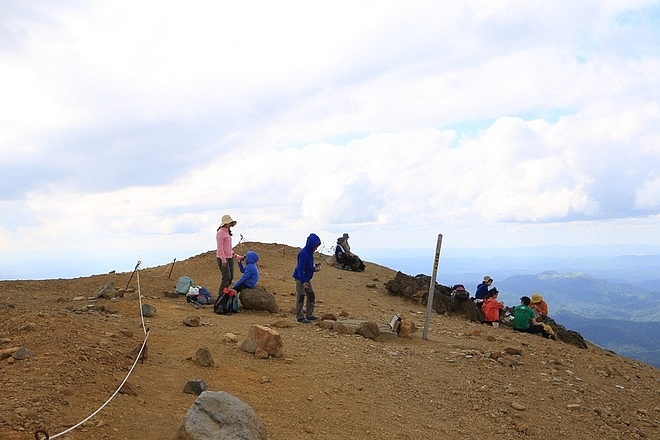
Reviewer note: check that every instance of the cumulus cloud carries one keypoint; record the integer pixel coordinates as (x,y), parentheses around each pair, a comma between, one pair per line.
(144,123)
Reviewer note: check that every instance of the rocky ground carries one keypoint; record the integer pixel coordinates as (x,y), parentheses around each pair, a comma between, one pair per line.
(465,381)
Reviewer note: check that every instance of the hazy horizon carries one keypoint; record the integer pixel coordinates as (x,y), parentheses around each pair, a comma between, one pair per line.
(407,260)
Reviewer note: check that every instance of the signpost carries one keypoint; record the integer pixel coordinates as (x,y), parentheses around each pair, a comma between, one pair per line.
(429,301)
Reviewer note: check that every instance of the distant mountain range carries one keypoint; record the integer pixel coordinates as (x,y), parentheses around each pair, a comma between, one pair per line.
(636,340)
(624,318)
(584,295)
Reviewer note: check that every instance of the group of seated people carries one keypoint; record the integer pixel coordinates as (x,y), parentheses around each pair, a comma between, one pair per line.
(528,316)
(345,258)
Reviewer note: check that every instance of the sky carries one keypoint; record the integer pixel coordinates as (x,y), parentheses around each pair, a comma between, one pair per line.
(128,128)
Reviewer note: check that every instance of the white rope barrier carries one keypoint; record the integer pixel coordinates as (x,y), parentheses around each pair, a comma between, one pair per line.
(43,435)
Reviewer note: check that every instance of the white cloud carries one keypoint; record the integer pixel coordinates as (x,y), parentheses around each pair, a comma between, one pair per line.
(647,196)
(139,124)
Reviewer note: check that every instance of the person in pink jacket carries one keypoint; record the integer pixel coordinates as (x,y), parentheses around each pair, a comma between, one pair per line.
(492,307)
(225,253)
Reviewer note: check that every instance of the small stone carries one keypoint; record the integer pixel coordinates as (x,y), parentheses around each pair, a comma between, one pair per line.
(128,389)
(260,353)
(22,353)
(148,311)
(196,386)
(203,357)
(191,321)
(230,337)
(518,406)
(513,350)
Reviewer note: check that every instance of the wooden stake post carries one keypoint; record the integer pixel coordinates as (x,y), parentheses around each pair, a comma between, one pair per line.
(429,301)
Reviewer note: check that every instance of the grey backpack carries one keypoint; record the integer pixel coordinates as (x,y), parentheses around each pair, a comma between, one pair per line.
(183,285)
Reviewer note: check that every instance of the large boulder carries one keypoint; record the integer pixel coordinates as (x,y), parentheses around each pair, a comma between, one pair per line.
(264,339)
(106,291)
(258,299)
(565,335)
(220,416)
(417,289)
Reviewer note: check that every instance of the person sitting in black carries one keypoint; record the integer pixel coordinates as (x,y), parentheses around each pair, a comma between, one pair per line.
(345,258)
(342,251)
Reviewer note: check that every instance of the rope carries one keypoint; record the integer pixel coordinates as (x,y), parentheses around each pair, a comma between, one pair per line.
(42,434)
(323,249)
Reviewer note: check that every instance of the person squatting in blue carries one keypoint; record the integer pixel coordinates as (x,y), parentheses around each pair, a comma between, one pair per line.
(250,272)
(303,274)
(482,291)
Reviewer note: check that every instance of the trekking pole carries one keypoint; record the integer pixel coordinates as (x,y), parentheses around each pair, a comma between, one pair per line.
(172,267)
(136,268)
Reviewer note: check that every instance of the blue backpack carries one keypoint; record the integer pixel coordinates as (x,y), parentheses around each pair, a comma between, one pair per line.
(204,296)
(199,295)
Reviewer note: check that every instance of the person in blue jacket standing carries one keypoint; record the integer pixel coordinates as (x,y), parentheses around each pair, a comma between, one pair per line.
(250,271)
(303,274)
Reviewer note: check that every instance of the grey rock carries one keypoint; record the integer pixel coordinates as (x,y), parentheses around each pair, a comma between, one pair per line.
(106,291)
(203,357)
(220,416)
(148,311)
(23,353)
(197,386)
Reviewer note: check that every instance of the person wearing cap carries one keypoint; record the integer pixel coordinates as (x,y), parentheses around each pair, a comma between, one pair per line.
(342,250)
(539,306)
(303,274)
(482,290)
(524,319)
(343,240)
(225,252)
(347,259)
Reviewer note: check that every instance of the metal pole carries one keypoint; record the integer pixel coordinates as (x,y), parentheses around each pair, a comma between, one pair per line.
(429,301)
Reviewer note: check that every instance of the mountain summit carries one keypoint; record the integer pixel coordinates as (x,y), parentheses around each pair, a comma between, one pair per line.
(465,381)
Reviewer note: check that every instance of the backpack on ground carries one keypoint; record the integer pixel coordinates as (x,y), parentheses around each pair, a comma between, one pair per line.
(458,291)
(183,285)
(227,302)
(205,296)
(199,295)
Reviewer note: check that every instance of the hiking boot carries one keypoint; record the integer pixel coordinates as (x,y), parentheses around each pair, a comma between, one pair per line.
(303,320)
(312,318)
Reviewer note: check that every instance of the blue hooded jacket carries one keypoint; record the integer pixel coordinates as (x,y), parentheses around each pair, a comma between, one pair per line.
(304,270)
(482,291)
(250,272)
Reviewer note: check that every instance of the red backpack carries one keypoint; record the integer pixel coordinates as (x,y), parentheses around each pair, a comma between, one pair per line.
(458,291)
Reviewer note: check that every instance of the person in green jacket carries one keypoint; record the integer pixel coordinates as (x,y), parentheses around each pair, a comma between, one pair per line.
(524,319)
